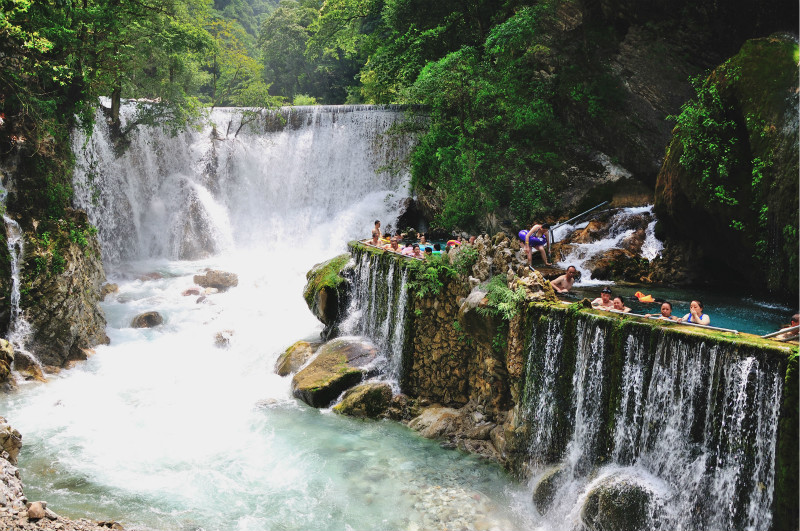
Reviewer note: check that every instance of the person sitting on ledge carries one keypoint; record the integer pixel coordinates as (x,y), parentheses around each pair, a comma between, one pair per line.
(619,306)
(666,313)
(696,315)
(603,302)
(791,334)
(564,283)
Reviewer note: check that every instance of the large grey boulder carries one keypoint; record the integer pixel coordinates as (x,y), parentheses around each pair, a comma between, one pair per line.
(221,280)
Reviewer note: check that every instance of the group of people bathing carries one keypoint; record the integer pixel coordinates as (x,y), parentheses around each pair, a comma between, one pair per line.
(420,249)
(536,238)
(695,315)
(564,283)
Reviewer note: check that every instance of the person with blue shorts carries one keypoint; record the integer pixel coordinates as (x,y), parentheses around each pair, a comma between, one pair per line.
(536,238)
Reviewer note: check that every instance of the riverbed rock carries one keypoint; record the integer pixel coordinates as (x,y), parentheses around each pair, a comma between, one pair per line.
(10,441)
(618,264)
(436,422)
(221,280)
(222,339)
(295,357)
(62,303)
(147,320)
(339,365)
(369,400)
(36,510)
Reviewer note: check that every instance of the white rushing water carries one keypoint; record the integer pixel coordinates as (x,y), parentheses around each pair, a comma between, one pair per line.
(620,228)
(166,429)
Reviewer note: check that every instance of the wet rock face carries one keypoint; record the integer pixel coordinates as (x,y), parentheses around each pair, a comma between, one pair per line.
(10,441)
(62,305)
(339,365)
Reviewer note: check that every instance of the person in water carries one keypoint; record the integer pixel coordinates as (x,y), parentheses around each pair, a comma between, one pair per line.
(376,239)
(537,239)
(791,334)
(666,312)
(564,283)
(696,315)
(377,230)
(392,245)
(415,252)
(619,306)
(603,302)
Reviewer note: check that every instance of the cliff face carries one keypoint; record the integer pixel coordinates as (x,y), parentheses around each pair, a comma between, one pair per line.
(729,180)
(61,270)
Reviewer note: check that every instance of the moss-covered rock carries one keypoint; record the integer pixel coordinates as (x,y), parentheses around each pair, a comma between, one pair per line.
(295,357)
(339,365)
(369,400)
(325,292)
(60,289)
(618,504)
(729,179)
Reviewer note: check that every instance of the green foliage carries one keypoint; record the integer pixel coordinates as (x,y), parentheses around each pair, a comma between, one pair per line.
(708,135)
(503,302)
(466,257)
(304,99)
(429,276)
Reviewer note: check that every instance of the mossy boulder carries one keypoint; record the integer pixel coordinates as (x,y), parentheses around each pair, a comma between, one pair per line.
(544,493)
(325,292)
(295,357)
(6,360)
(369,400)
(729,178)
(618,503)
(338,365)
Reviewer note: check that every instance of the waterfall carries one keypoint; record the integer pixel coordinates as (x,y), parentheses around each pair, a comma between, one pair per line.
(19,328)
(691,422)
(378,307)
(618,230)
(314,175)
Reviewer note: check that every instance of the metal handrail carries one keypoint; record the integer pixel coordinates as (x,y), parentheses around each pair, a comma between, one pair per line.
(781,331)
(707,327)
(553,228)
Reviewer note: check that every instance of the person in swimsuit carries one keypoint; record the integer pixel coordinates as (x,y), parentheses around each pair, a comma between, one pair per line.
(791,334)
(537,239)
(377,230)
(696,315)
(603,302)
(564,283)
(666,313)
(619,306)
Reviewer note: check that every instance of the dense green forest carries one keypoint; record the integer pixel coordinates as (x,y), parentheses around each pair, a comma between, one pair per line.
(514,91)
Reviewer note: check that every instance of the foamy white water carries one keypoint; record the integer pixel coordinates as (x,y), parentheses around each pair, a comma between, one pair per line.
(165,430)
